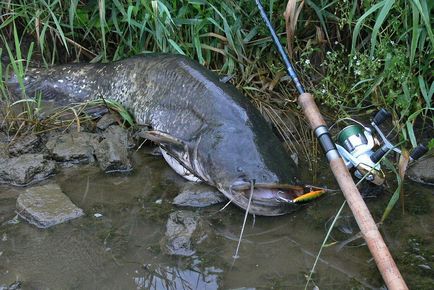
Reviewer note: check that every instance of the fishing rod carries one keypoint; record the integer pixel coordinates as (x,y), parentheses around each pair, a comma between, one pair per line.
(385,263)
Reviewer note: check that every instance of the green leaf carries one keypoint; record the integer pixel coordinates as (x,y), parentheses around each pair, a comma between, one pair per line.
(176,46)
(411,135)
(431,144)
(57,24)
(360,22)
(72,11)
(424,12)
(379,21)
(392,201)
(423,89)
(415,32)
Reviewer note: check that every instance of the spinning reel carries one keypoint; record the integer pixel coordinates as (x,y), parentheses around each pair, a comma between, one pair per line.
(361,149)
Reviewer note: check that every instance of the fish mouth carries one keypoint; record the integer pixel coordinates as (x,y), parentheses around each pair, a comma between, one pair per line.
(266,199)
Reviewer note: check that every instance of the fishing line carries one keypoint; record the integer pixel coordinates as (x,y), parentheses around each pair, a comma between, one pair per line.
(252,186)
(228,203)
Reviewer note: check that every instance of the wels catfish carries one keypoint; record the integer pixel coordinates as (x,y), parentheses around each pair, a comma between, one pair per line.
(206,129)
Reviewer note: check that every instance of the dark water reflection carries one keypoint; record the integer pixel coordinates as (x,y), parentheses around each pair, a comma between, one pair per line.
(121,248)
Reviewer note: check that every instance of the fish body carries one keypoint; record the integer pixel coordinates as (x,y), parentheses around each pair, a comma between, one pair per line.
(207,130)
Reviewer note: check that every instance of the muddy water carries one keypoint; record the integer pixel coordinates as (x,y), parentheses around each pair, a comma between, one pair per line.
(121,248)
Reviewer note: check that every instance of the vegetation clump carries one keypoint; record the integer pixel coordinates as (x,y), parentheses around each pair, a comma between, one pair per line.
(355,57)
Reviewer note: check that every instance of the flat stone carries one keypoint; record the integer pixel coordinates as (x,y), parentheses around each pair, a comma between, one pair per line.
(46,205)
(198,195)
(25,169)
(76,147)
(422,171)
(25,144)
(184,229)
(106,121)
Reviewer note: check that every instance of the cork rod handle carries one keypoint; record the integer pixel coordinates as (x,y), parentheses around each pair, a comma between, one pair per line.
(385,263)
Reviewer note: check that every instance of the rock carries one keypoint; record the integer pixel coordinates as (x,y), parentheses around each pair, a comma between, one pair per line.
(112,153)
(106,121)
(75,147)
(3,137)
(14,286)
(25,169)
(198,195)
(4,141)
(112,156)
(25,144)
(422,171)
(184,230)
(119,133)
(46,205)
(3,152)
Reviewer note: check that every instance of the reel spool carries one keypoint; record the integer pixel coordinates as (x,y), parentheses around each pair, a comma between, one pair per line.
(356,144)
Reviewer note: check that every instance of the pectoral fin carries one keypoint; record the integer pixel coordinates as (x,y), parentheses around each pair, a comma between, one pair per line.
(160,137)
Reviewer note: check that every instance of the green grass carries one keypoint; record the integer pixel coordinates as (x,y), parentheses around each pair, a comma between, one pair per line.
(355,57)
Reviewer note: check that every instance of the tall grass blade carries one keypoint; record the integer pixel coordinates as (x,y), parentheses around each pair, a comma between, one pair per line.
(415,32)
(57,23)
(102,23)
(427,95)
(319,13)
(176,46)
(424,11)
(384,12)
(72,11)
(360,22)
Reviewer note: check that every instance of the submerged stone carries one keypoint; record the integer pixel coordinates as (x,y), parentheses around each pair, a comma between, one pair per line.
(46,205)
(184,229)
(25,169)
(76,147)
(8,200)
(198,195)
(14,286)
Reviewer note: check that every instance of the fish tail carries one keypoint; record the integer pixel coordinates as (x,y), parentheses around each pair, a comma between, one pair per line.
(56,85)
(24,86)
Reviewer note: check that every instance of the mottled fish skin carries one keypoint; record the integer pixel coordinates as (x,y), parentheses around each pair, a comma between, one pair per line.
(227,140)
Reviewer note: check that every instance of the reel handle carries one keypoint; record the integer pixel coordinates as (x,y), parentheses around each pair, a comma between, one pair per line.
(418,152)
(381,116)
(377,155)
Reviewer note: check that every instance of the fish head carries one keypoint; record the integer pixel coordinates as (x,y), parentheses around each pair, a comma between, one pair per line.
(239,161)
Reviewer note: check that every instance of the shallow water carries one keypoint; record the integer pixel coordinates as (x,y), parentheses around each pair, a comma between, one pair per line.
(121,249)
